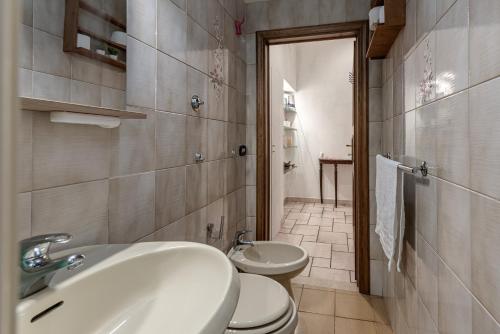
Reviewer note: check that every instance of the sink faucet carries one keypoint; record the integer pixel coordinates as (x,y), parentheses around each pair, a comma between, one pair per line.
(37,268)
(238,239)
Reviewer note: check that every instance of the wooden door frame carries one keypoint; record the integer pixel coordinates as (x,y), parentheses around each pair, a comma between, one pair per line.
(359,31)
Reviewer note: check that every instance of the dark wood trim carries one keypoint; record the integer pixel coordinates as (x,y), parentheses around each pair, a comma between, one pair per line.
(264,39)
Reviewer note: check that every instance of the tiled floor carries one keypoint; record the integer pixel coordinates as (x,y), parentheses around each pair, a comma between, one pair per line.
(327,234)
(329,311)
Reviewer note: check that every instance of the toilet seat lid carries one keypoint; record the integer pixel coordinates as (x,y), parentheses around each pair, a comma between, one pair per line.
(262,301)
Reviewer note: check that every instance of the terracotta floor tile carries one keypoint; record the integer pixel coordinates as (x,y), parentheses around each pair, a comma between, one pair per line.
(321,262)
(316,249)
(332,237)
(310,238)
(297,293)
(342,260)
(310,323)
(293,239)
(330,274)
(353,306)
(351,326)
(305,230)
(343,228)
(317,301)
(340,248)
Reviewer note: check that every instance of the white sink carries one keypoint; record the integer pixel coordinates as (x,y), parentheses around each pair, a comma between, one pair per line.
(277,260)
(159,287)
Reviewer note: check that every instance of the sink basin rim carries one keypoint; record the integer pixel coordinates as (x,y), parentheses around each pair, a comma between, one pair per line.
(262,268)
(215,320)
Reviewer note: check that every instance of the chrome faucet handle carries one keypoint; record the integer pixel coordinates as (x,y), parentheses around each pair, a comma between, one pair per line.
(35,250)
(241,233)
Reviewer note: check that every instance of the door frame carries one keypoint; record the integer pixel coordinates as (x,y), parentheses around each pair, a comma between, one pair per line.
(264,39)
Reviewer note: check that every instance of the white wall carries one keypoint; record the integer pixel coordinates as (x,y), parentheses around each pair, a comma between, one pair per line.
(324,118)
(282,67)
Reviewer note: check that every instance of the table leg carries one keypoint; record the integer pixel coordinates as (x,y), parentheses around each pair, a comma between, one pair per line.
(321,182)
(335,183)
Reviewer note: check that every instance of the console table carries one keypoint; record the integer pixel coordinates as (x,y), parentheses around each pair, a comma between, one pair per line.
(335,163)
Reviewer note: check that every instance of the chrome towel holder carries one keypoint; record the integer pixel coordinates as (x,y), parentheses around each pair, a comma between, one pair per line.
(423,168)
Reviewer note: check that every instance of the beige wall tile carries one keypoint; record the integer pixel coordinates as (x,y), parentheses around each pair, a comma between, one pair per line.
(357,10)
(85,69)
(332,11)
(485,215)
(452,50)
(24,151)
(216,180)
(454,304)
(141,21)
(141,73)
(375,108)
(196,138)
(131,207)
(216,132)
(425,68)
(484,138)
(442,138)
(427,277)
(484,51)
(48,55)
(426,195)
(172,232)
(197,45)
(171,85)
(51,87)
(49,16)
(113,98)
(454,229)
(257,17)
(170,140)
(171,29)
(197,84)
(196,186)
(65,154)
(85,93)
(25,83)
(196,226)
(170,195)
(26,47)
(23,219)
(80,210)
(133,145)
(410,29)
(426,16)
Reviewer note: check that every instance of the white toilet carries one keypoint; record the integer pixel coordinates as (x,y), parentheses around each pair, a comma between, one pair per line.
(264,307)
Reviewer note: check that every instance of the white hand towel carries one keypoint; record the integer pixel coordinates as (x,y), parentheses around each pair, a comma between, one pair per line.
(386,194)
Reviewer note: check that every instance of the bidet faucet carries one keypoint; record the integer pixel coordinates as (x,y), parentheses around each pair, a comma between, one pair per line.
(37,268)
(238,239)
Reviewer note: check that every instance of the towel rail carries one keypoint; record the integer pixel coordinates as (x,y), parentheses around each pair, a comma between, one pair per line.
(423,168)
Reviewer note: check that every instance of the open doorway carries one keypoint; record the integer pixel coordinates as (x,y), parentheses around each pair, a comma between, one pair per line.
(312,112)
(311,105)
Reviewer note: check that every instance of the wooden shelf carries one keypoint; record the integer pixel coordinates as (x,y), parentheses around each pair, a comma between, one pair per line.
(72,28)
(385,34)
(102,39)
(103,15)
(104,59)
(29,103)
